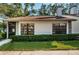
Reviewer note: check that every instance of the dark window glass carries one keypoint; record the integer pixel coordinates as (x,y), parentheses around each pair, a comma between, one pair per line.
(27,29)
(59,28)
(12,28)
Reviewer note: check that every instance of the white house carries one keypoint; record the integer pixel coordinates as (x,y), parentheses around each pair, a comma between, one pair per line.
(75,25)
(36,25)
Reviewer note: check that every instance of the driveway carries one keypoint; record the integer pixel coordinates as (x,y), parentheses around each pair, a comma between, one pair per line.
(57,52)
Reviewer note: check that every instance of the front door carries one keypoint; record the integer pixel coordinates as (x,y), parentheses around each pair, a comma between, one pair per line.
(12,28)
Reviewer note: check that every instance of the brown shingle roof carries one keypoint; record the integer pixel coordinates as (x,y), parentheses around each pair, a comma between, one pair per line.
(40,18)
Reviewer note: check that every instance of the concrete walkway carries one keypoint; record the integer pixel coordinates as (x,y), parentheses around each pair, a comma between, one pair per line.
(59,52)
(5,41)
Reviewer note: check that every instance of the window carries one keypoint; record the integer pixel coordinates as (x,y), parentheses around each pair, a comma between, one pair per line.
(59,28)
(27,29)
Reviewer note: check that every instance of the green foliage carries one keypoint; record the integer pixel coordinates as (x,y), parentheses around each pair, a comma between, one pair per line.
(32,46)
(57,37)
(43,10)
(53,9)
(25,46)
(60,45)
(1,25)
(17,10)
(26,9)
(11,10)
(33,11)
(2,35)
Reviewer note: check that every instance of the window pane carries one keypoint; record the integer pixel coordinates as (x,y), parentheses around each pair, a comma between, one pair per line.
(27,28)
(59,28)
(30,28)
(23,29)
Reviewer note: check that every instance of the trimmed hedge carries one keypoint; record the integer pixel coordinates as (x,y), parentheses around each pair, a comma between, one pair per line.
(2,36)
(58,37)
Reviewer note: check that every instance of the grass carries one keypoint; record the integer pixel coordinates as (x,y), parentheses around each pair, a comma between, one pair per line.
(31,46)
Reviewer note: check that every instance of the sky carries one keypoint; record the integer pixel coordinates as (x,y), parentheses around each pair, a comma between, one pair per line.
(37,5)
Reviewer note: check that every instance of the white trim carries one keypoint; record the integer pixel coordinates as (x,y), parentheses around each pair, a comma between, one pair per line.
(7,31)
(67,28)
(16,29)
(19,28)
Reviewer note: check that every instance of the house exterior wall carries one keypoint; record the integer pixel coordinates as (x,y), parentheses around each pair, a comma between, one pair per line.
(75,24)
(40,27)
(43,27)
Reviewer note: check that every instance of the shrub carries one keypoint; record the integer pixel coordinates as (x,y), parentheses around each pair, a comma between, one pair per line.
(2,35)
(57,37)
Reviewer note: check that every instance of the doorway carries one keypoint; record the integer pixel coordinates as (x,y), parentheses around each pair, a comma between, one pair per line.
(12,28)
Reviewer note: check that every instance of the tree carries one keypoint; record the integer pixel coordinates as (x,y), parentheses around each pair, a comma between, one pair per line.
(70,5)
(26,9)
(17,9)
(57,5)
(52,9)
(49,9)
(33,11)
(42,10)
(11,10)
(29,9)
(6,10)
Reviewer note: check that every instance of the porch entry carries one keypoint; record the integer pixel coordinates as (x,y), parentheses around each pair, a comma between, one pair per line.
(12,28)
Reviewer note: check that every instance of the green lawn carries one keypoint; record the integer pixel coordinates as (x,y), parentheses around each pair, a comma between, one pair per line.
(53,45)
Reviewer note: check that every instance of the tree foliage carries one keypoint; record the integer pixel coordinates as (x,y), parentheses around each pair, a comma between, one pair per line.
(26,9)
(32,11)
(43,10)
(16,9)
(11,10)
